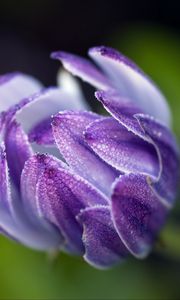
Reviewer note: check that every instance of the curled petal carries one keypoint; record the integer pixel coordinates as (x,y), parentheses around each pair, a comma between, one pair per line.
(15,223)
(48,102)
(4,188)
(121,148)
(61,196)
(137,213)
(130,81)
(7,224)
(122,109)
(156,134)
(33,169)
(68,129)
(18,150)
(103,247)
(82,68)
(166,185)
(39,238)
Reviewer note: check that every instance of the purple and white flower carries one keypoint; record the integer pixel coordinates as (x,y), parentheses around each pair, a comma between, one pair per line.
(107,184)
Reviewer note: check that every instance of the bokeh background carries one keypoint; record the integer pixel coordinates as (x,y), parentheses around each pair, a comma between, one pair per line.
(147,32)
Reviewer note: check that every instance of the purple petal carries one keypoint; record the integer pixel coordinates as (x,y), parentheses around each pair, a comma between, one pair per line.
(14,87)
(42,133)
(137,213)
(48,102)
(131,82)
(6,220)
(82,68)
(154,133)
(68,129)
(120,148)
(103,247)
(61,196)
(121,109)
(33,169)
(40,238)
(167,183)
(4,190)
(15,223)
(18,150)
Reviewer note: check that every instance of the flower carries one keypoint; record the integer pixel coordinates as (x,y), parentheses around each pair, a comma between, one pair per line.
(107,192)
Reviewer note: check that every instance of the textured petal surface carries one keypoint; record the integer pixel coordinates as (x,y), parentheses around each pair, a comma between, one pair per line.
(137,213)
(121,109)
(61,196)
(121,148)
(82,68)
(6,221)
(155,133)
(167,184)
(42,133)
(15,223)
(14,87)
(33,169)
(131,82)
(68,129)
(103,247)
(4,190)
(115,192)
(18,150)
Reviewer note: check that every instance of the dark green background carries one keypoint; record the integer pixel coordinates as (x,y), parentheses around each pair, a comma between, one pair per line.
(25,274)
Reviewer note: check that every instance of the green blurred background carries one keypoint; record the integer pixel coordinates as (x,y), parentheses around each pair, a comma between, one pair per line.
(29,31)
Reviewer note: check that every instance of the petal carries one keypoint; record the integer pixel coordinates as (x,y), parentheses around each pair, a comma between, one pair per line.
(48,102)
(137,213)
(33,169)
(39,238)
(14,87)
(42,133)
(130,81)
(167,183)
(61,196)
(121,148)
(18,150)
(155,133)
(70,84)
(122,109)
(4,189)
(68,129)
(103,247)
(82,68)
(15,223)
(6,220)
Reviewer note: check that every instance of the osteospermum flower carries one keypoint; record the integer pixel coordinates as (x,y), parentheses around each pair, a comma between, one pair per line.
(108,190)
